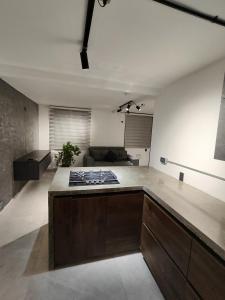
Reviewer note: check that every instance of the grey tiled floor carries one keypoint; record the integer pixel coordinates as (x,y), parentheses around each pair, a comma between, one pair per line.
(24,271)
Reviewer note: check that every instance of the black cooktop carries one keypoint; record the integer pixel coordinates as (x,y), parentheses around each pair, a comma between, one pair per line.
(78,178)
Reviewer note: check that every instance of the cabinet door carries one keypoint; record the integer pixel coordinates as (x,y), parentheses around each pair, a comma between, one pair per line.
(79,229)
(206,273)
(171,281)
(190,294)
(175,240)
(123,223)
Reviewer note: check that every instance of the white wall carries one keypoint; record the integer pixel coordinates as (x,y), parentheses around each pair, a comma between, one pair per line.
(43,127)
(185,128)
(107,129)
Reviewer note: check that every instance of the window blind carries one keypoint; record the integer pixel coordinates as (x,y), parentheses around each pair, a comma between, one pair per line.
(69,125)
(138,131)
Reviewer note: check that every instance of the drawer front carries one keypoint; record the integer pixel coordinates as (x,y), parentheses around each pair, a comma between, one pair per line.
(206,274)
(170,280)
(175,240)
(190,294)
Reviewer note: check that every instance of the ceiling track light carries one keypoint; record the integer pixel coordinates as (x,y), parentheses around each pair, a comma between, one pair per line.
(90,11)
(139,107)
(192,11)
(84,59)
(103,3)
(126,106)
(87,29)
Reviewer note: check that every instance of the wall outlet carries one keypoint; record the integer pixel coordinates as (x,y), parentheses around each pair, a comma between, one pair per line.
(163,160)
(181,176)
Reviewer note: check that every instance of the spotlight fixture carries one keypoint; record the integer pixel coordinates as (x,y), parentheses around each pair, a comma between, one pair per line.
(103,3)
(139,107)
(84,59)
(126,106)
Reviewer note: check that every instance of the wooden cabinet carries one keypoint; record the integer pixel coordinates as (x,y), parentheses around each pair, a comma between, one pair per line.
(90,227)
(123,222)
(171,281)
(32,165)
(175,240)
(78,229)
(166,247)
(206,273)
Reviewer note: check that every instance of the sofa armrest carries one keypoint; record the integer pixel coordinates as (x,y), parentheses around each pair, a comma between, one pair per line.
(88,161)
(134,161)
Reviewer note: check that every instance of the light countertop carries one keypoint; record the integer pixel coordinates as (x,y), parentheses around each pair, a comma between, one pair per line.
(201,213)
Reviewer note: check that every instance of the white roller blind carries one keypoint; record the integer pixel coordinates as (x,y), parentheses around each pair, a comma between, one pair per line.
(138,131)
(69,125)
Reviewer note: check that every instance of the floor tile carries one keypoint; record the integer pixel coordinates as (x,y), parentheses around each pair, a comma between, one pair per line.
(24,271)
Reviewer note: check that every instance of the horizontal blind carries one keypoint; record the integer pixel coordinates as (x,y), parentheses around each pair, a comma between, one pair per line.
(69,126)
(138,131)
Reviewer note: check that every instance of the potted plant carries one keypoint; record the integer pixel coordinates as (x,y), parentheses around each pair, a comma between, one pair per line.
(66,157)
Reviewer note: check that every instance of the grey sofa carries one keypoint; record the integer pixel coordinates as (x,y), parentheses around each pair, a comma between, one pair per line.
(108,156)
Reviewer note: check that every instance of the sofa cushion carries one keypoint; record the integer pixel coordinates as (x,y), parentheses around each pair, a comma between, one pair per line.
(111,156)
(121,154)
(110,164)
(122,163)
(98,155)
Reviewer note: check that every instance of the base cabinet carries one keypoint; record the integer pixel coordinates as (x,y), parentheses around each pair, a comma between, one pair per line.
(169,278)
(95,226)
(169,233)
(206,273)
(84,228)
(183,268)
(78,229)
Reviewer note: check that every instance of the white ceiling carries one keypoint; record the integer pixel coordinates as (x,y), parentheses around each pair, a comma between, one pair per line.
(135,46)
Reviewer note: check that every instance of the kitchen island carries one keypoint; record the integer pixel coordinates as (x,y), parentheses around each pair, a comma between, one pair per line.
(179,229)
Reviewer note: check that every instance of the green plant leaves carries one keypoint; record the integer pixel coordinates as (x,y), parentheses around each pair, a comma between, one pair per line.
(65,158)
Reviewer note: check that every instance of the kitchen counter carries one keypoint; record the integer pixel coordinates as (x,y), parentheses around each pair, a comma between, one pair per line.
(201,213)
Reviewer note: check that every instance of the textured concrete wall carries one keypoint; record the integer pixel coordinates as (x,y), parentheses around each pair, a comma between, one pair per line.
(220,141)
(18,136)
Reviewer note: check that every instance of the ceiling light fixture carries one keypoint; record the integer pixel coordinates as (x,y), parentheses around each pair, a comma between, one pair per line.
(126,106)
(139,107)
(84,59)
(87,29)
(103,3)
(192,11)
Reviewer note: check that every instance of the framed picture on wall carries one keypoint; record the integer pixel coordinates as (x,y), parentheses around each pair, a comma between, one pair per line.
(220,140)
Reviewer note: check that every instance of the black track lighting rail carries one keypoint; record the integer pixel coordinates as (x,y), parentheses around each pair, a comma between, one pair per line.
(169,3)
(90,11)
(191,11)
(83,54)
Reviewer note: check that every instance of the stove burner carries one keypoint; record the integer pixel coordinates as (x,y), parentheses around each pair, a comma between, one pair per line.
(92,178)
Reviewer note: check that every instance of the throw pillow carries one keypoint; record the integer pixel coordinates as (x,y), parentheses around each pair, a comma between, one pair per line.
(111,156)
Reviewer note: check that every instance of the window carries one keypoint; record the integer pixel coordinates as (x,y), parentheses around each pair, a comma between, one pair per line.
(69,125)
(138,131)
